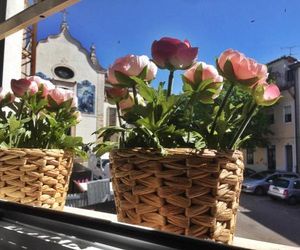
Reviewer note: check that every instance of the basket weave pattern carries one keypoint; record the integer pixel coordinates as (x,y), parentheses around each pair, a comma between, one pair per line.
(37,177)
(186,192)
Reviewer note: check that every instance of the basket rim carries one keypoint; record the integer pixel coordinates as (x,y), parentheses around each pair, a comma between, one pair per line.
(178,151)
(44,149)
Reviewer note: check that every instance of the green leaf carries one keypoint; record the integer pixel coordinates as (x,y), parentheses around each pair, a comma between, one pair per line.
(42,103)
(105,147)
(187,84)
(204,84)
(228,70)
(70,142)
(14,124)
(107,132)
(248,82)
(124,79)
(198,74)
(148,93)
(143,73)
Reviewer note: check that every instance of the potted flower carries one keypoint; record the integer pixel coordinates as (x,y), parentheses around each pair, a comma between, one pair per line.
(36,150)
(176,166)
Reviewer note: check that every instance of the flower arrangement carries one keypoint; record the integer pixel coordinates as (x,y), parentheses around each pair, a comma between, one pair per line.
(206,114)
(36,114)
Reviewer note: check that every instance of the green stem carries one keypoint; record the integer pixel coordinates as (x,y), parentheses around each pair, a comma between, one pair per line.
(121,125)
(190,120)
(243,125)
(221,108)
(135,95)
(170,83)
(119,114)
(19,114)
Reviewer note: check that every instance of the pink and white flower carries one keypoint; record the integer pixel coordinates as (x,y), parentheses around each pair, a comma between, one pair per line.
(132,65)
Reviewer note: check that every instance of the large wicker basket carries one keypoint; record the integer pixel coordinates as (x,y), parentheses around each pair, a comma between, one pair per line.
(186,192)
(38,177)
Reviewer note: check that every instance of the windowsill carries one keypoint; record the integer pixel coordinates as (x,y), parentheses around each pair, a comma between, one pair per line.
(238,241)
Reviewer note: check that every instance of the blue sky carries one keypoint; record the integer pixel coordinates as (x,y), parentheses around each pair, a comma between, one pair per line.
(258,28)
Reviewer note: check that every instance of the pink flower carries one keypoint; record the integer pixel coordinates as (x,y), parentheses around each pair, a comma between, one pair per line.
(22,86)
(207,72)
(58,95)
(200,72)
(245,70)
(69,94)
(173,54)
(6,97)
(266,94)
(116,94)
(132,65)
(42,83)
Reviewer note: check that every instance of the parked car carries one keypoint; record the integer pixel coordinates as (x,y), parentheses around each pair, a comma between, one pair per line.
(259,182)
(248,172)
(287,189)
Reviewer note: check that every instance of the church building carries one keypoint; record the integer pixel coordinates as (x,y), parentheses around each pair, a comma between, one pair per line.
(64,61)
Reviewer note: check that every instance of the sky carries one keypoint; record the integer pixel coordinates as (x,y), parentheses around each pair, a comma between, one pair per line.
(261,29)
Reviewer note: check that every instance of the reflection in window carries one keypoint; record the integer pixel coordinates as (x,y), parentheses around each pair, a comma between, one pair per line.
(86,97)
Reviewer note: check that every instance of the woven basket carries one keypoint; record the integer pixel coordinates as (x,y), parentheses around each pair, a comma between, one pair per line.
(38,177)
(186,192)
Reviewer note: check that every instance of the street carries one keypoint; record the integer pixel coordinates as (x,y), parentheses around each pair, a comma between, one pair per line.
(261,218)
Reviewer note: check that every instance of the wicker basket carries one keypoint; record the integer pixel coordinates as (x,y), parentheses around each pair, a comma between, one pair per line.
(187,192)
(38,177)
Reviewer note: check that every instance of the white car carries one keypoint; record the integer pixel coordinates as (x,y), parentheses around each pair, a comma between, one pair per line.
(285,189)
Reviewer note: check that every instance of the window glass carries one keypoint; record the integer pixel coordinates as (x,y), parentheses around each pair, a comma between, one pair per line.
(273,177)
(290,175)
(258,176)
(287,114)
(297,184)
(250,156)
(64,72)
(281,183)
(270,115)
(112,116)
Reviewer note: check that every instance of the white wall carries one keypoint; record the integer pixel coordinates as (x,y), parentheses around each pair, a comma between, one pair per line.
(63,50)
(13,47)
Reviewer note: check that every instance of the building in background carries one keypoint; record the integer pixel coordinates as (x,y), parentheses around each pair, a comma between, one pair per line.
(64,61)
(282,152)
(11,46)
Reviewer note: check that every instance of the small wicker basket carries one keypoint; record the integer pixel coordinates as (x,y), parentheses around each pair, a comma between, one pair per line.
(186,192)
(38,177)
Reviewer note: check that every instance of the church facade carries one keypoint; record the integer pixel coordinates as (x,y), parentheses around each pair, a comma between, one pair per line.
(64,61)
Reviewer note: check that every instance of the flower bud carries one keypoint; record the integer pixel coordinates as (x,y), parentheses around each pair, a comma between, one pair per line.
(200,72)
(266,94)
(127,103)
(22,86)
(115,95)
(171,53)
(132,65)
